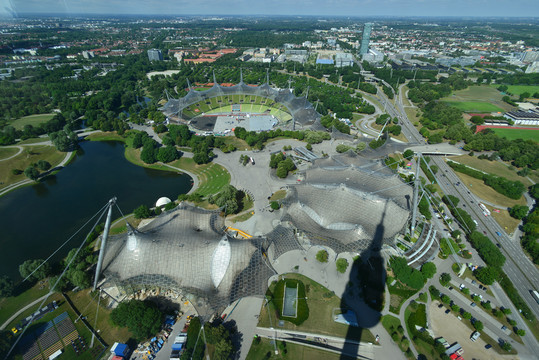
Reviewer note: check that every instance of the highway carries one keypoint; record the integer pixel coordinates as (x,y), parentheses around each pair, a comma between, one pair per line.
(518,267)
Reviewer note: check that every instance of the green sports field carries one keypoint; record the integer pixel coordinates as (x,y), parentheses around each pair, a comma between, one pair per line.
(475,106)
(33,120)
(519,89)
(512,134)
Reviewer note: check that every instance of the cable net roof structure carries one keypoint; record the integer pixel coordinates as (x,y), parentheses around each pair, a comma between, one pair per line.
(300,108)
(346,207)
(187,250)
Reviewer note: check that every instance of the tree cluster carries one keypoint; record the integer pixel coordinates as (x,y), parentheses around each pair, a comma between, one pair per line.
(230,198)
(282,164)
(406,274)
(142,318)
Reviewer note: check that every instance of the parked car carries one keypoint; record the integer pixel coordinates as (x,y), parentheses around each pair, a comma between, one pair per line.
(447,311)
(504,327)
(473,304)
(488,346)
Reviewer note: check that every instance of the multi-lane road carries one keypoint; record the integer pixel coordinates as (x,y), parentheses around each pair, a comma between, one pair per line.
(518,267)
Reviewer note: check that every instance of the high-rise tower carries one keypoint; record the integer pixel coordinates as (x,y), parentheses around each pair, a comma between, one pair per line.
(366,38)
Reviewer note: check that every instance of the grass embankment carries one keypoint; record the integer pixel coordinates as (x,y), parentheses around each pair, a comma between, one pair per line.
(108,334)
(492,167)
(478,98)
(321,302)
(34,140)
(33,120)
(10,305)
(6,152)
(399,293)
(394,328)
(212,177)
(503,218)
(513,134)
(265,350)
(30,155)
(475,106)
(487,193)
(399,137)
(278,195)
(519,89)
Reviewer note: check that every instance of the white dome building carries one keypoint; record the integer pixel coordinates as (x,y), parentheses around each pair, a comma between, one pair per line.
(162,201)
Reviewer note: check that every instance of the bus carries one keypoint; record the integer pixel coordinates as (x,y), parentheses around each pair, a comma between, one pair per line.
(535,295)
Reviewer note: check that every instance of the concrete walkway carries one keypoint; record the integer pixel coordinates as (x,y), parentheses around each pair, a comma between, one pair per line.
(23,309)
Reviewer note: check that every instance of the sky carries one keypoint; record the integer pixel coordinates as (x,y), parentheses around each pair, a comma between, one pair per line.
(353,8)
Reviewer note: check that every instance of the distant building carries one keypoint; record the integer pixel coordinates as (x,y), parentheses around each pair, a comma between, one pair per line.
(155,55)
(533,68)
(365,39)
(530,56)
(324,60)
(373,56)
(88,54)
(530,117)
(344,59)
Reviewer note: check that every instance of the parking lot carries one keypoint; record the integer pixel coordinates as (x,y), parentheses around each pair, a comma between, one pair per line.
(454,330)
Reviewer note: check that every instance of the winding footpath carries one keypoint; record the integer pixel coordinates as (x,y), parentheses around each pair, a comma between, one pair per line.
(8,321)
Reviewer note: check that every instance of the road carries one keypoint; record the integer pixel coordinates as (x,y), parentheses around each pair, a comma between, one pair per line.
(518,267)
(6,323)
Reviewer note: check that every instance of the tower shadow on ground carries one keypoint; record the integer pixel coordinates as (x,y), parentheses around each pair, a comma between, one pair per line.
(365,293)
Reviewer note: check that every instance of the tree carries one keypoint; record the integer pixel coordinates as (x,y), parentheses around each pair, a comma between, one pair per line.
(322,256)
(487,305)
(408,154)
(428,270)
(477,120)
(223,350)
(148,154)
(466,315)
(6,286)
(274,205)
(31,173)
(478,325)
(487,275)
(342,265)
(167,154)
(43,165)
(229,198)
(446,299)
(64,140)
(282,171)
(142,318)
(507,346)
(27,267)
(61,286)
(519,211)
(80,278)
(434,292)
(142,212)
(445,278)
(521,332)
(455,308)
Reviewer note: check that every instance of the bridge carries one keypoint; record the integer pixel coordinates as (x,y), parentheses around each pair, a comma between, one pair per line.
(437,149)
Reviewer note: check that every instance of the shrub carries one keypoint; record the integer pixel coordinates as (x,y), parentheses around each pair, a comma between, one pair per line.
(322,256)
(445,278)
(342,265)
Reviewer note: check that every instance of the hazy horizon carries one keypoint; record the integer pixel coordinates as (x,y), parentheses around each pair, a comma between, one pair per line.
(326,8)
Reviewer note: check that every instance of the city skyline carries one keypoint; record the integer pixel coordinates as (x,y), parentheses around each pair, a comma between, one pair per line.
(352,8)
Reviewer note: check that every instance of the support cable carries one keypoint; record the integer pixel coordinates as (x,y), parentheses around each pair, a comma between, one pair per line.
(72,236)
(56,284)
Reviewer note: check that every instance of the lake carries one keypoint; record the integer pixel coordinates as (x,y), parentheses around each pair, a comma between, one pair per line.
(37,219)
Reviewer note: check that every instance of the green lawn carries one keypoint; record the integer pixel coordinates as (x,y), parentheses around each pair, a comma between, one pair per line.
(512,134)
(492,167)
(391,324)
(30,155)
(33,120)
(212,177)
(519,89)
(6,152)
(10,305)
(322,303)
(475,106)
(260,350)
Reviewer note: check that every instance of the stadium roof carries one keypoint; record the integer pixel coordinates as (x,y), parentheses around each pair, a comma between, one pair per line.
(347,206)
(300,108)
(187,250)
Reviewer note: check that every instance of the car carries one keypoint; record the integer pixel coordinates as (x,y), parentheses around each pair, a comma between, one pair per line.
(458,317)
(498,245)
(440,306)
(504,327)
(451,288)
(484,232)
(474,282)
(473,320)
(488,346)
(447,311)
(473,304)
(498,233)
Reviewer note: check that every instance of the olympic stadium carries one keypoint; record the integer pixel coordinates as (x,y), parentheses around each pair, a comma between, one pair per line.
(345,203)
(220,109)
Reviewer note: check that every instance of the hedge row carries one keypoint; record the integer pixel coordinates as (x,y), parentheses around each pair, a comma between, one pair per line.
(511,189)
